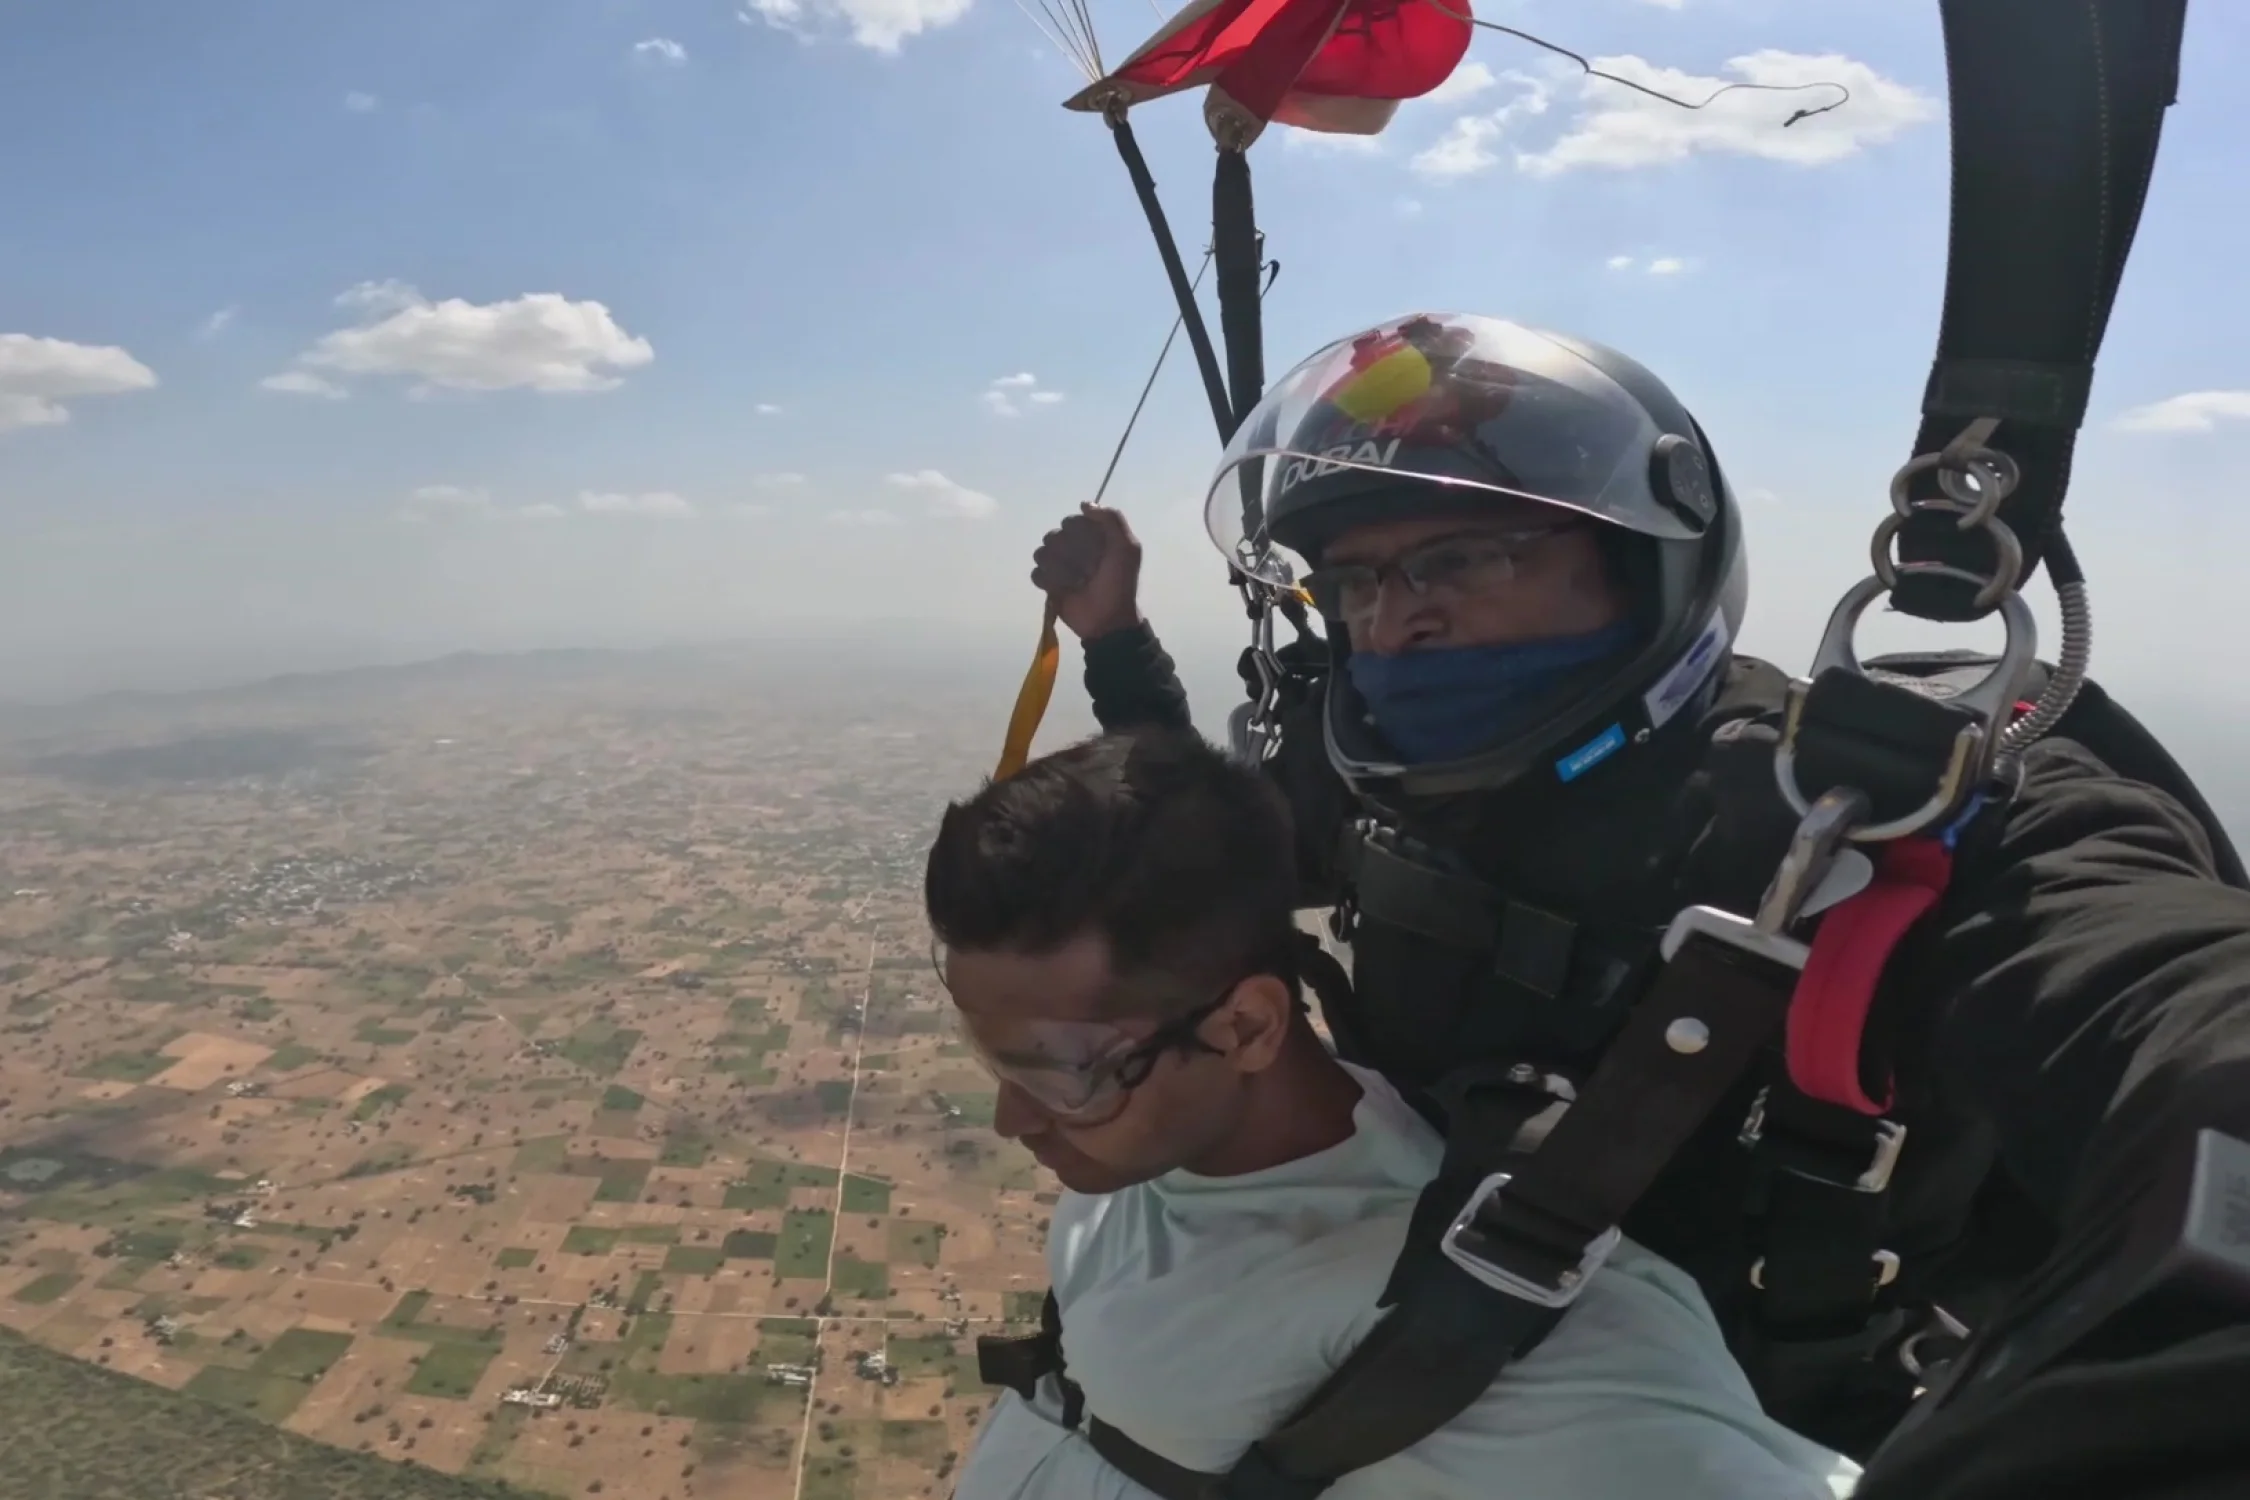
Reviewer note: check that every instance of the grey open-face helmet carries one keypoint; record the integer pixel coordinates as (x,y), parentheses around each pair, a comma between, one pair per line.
(1439,413)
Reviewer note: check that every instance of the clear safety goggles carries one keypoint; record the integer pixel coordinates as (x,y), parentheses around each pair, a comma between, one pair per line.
(1448,570)
(1082,1072)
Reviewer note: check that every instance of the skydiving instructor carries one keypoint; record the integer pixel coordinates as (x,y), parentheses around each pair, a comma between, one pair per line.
(1523,745)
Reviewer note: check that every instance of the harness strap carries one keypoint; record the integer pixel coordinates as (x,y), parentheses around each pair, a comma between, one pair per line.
(1496,1255)
(1828,1014)
(2056,114)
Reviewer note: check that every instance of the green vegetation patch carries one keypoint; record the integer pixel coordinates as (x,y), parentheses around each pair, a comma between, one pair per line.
(920,1354)
(1022,1307)
(47,1289)
(621,1098)
(239,1258)
(694,1260)
(290,1056)
(125,1067)
(806,1234)
(865,1279)
(545,1153)
(269,1398)
(976,1109)
(920,1440)
(835,1096)
(645,1287)
(450,1370)
(685,1148)
(766,1184)
(599,1047)
(652,1234)
(916,1240)
(303,1354)
(389,1096)
(408,1312)
(621,1181)
(516,1257)
(866,1195)
(585,1239)
(373,1032)
(787,1341)
(750,1244)
(829,1478)
(701,1398)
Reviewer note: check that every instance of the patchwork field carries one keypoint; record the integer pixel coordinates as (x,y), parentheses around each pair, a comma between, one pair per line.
(540,1080)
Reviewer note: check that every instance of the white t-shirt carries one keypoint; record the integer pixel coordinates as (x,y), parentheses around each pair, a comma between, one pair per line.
(1199,1312)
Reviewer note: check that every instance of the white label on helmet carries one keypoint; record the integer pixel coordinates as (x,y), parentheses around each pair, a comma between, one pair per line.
(1675,687)
(1367,455)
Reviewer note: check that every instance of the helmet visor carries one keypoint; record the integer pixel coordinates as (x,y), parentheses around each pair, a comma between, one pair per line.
(1473,404)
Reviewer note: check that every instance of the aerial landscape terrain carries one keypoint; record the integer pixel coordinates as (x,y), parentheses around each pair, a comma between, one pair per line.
(530,1070)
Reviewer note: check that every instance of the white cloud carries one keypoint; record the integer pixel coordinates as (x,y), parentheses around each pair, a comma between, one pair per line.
(879,25)
(748,508)
(303,383)
(1331,142)
(38,374)
(1666,265)
(1409,208)
(453,495)
(661,49)
(948,499)
(767,409)
(1466,148)
(1665,4)
(1467,81)
(542,511)
(779,481)
(999,397)
(1618,128)
(2195,411)
(1619,263)
(359,103)
(863,518)
(541,341)
(216,324)
(650,503)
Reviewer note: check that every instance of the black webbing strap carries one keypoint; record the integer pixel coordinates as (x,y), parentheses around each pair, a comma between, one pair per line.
(2057,106)
(1020,1361)
(1825,1290)
(1183,290)
(1510,1258)
(1530,945)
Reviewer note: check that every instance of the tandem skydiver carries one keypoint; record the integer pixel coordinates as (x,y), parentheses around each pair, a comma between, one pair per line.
(1526,747)
(1119,943)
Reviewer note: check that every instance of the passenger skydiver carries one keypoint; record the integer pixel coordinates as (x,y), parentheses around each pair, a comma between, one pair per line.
(1118,937)
(1527,745)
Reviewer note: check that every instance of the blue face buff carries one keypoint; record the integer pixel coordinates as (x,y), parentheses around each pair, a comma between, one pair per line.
(1452,701)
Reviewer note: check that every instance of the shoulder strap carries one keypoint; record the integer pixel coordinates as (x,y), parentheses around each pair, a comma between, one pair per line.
(2056,112)
(1502,1244)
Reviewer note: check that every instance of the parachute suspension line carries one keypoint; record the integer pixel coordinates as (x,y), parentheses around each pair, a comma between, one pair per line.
(1843,94)
(1147,386)
(1070,31)
(1183,292)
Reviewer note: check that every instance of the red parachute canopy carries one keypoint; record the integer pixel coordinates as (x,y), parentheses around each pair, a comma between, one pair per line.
(1334,65)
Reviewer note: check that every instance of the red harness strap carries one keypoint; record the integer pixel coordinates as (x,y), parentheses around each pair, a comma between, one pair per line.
(1828,1013)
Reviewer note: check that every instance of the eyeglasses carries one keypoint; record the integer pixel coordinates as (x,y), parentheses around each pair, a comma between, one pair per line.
(1083,1072)
(1448,570)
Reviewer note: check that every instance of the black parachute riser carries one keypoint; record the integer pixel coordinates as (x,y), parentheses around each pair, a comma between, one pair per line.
(2056,110)
(1237,255)
(1183,290)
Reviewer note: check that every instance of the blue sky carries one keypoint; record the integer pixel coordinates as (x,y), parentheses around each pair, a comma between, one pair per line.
(787,269)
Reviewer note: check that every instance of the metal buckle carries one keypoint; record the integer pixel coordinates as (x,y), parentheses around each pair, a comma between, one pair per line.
(1507,1282)
(1886,1264)
(1882,1158)
(1943,1326)
(1827,823)
(1992,700)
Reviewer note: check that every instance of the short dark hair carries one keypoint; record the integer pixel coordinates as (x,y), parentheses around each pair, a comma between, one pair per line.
(1179,856)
